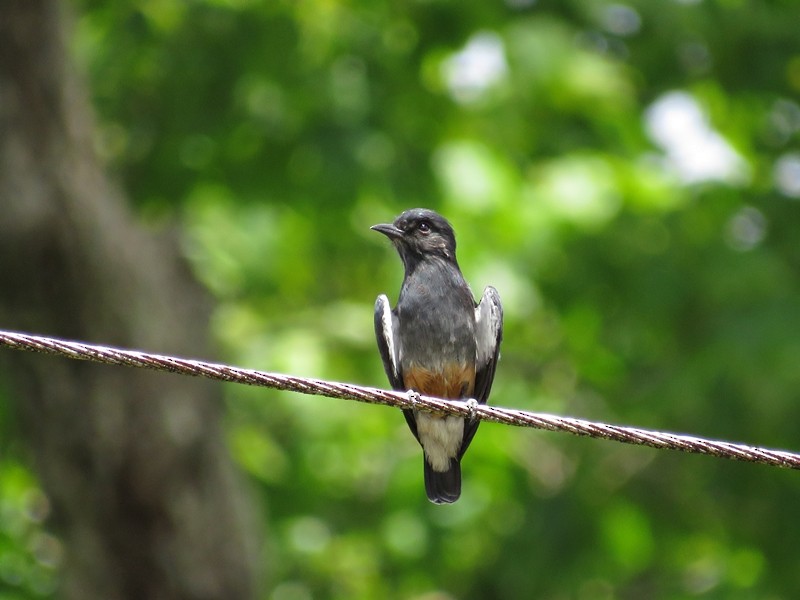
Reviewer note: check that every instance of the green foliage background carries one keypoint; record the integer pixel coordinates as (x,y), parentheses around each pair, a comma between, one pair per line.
(273,134)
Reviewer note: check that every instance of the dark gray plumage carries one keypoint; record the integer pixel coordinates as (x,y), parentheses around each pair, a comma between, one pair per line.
(437,341)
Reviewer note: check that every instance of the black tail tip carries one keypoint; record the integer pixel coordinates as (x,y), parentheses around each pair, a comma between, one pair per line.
(443,487)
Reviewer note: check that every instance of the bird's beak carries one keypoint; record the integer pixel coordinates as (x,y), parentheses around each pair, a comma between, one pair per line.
(389,230)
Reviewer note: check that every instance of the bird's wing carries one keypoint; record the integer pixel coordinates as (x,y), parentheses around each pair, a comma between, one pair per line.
(385,329)
(488,335)
(388,344)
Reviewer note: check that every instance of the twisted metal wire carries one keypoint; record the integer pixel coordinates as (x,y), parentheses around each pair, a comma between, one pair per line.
(331,389)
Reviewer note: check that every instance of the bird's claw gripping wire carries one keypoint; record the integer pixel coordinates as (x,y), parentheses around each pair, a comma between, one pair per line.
(472,405)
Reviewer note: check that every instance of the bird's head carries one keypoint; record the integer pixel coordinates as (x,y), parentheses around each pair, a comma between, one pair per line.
(420,233)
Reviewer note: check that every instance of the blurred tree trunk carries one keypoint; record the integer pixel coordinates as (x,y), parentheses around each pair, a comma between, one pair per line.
(143,494)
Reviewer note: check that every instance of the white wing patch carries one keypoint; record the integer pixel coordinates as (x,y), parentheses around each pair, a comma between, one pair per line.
(387,327)
(488,324)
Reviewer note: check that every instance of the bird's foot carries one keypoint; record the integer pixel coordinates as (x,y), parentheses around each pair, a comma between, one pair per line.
(472,405)
(413,397)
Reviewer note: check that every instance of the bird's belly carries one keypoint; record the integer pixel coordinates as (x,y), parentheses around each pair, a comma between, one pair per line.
(452,380)
(440,437)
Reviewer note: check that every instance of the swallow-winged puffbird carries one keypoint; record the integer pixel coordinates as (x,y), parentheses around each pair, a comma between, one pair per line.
(438,342)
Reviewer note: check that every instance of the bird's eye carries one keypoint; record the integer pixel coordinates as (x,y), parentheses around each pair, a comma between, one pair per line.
(424,227)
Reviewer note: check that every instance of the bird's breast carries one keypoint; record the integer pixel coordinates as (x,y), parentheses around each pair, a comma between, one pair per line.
(436,316)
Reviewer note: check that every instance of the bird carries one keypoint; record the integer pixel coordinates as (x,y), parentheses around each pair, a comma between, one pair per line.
(437,341)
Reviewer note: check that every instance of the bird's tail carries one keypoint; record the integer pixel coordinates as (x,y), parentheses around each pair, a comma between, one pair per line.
(443,487)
